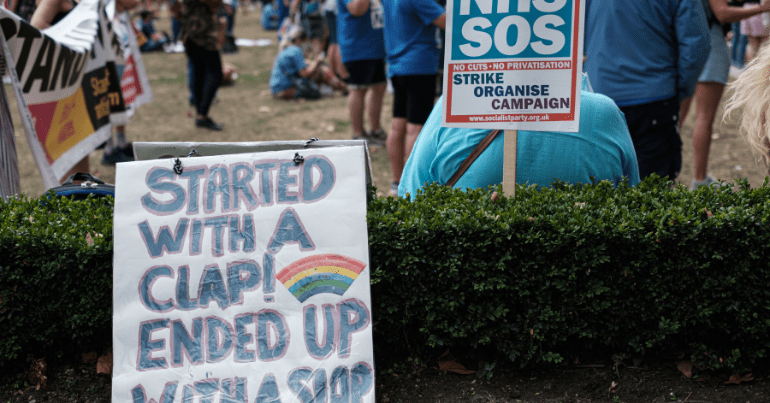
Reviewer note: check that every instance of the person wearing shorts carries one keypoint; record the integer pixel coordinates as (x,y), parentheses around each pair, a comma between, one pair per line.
(413,58)
(362,47)
(333,47)
(711,84)
(755,29)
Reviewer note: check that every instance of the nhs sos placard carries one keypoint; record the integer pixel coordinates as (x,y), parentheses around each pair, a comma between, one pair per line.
(513,64)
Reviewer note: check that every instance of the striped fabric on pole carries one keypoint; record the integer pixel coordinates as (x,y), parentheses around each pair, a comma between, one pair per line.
(9,164)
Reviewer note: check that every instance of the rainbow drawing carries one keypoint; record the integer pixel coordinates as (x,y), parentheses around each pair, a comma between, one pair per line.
(320,274)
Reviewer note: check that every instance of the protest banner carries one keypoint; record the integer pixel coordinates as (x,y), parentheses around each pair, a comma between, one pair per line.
(243,278)
(66,83)
(513,64)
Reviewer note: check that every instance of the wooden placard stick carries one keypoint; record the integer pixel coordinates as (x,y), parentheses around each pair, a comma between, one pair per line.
(509,163)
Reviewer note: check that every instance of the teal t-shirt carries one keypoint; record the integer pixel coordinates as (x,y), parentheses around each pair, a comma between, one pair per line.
(601,149)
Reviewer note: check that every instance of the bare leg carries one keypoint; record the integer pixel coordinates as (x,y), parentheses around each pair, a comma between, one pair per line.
(684,109)
(335,60)
(412,131)
(374,105)
(707,97)
(356,107)
(396,145)
(316,45)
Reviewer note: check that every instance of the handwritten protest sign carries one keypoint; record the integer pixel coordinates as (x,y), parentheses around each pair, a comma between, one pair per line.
(243,278)
(513,64)
(67,75)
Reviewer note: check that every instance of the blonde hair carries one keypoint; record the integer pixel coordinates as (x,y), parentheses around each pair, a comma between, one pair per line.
(752,95)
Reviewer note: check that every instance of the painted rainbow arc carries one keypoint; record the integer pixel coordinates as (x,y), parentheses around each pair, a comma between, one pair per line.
(318,274)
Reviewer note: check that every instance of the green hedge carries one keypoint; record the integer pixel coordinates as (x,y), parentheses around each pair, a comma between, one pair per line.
(554,272)
(55,278)
(560,271)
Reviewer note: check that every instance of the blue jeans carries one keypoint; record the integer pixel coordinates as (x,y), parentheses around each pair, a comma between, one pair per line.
(739,43)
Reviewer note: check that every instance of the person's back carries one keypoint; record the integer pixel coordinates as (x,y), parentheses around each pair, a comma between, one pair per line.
(646,55)
(602,149)
(633,48)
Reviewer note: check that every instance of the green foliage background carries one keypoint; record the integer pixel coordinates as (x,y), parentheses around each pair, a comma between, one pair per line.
(554,273)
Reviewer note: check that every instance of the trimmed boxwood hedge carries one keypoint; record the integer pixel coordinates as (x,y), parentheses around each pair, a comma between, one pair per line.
(555,272)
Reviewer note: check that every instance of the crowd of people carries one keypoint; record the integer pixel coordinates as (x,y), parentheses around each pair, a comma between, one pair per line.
(648,62)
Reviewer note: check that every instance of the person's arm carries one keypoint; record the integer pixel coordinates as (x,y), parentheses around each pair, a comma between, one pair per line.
(45,13)
(357,8)
(294,8)
(693,46)
(221,24)
(12,5)
(727,14)
(440,21)
(311,68)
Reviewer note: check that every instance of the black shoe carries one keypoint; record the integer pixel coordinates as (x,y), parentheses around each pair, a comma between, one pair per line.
(115,157)
(207,123)
(128,150)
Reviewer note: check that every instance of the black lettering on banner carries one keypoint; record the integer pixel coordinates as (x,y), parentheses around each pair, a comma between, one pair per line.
(64,64)
(28,33)
(114,89)
(80,60)
(95,87)
(41,71)
(9,28)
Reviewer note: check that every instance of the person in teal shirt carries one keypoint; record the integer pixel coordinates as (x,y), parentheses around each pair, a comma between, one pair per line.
(601,149)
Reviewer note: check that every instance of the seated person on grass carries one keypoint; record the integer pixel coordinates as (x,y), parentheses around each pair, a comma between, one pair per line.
(292,77)
(155,40)
(602,149)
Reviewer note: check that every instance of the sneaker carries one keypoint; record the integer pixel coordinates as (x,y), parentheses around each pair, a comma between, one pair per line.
(207,123)
(116,157)
(393,189)
(707,181)
(377,137)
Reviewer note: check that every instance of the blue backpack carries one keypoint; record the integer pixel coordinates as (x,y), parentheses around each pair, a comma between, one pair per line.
(269,17)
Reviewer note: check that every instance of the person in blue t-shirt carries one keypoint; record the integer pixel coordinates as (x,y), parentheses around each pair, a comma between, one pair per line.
(362,48)
(290,66)
(413,57)
(602,149)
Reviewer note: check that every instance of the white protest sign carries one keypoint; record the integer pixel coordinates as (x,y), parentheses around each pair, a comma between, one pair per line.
(513,64)
(244,278)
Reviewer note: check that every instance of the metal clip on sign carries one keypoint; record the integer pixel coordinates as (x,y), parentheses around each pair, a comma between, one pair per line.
(298,159)
(178,169)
